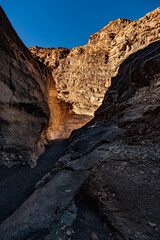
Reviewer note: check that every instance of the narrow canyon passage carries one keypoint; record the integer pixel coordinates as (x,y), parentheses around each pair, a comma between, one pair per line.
(18,182)
(97,107)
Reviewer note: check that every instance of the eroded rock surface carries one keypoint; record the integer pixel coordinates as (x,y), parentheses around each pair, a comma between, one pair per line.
(63,120)
(24,109)
(125,181)
(83,74)
(115,158)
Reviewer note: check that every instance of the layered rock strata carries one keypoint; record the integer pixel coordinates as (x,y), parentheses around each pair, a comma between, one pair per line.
(83,74)
(24,109)
(115,158)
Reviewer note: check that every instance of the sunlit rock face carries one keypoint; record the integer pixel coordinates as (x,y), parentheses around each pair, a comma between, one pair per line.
(83,74)
(24,109)
(62,118)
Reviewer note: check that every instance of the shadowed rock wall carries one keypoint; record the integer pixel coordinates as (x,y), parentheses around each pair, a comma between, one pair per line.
(24,110)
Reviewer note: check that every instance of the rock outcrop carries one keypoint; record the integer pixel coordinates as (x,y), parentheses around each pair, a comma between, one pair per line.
(24,109)
(83,74)
(115,157)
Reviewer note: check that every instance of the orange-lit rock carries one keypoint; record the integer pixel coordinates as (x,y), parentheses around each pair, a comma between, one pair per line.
(83,74)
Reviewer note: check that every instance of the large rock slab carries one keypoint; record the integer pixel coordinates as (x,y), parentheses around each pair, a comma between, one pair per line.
(34,219)
(24,110)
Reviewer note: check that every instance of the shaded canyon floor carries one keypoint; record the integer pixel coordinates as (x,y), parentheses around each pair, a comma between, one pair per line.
(18,183)
(22,181)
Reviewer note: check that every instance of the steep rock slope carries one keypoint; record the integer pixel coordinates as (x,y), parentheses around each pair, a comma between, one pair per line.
(24,110)
(115,158)
(83,74)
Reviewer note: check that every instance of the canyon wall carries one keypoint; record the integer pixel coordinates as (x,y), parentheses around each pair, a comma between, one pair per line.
(74,83)
(24,109)
(83,74)
(114,159)
(63,119)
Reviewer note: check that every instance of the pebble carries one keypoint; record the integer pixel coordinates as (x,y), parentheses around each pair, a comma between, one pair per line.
(68,190)
(68,233)
(152,224)
(68,218)
(94,236)
(62,228)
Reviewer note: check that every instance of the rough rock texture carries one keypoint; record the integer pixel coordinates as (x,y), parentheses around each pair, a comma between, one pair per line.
(24,110)
(125,182)
(62,118)
(115,157)
(50,56)
(83,74)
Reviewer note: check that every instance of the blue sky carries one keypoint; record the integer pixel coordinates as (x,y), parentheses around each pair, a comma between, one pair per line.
(69,23)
